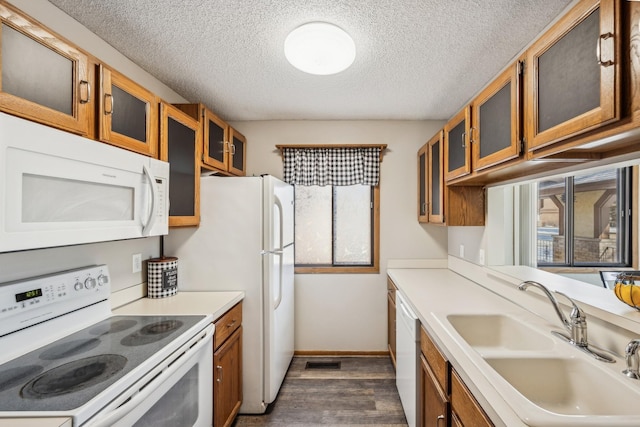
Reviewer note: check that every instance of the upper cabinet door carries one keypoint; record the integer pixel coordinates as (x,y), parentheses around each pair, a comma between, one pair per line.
(238,153)
(496,121)
(128,114)
(216,141)
(180,141)
(435,179)
(423,183)
(457,147)
(573,74)
(44,78)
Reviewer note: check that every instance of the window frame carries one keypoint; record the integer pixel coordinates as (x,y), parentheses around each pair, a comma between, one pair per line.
(354,269)
(625,192)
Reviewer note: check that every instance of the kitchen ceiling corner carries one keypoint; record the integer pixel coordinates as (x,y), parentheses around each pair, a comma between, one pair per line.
(417,59)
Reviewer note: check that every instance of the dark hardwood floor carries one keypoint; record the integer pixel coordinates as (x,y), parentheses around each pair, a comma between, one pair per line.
(361,392)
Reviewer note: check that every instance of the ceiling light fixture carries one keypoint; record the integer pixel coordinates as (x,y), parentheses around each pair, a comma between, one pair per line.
(319,48)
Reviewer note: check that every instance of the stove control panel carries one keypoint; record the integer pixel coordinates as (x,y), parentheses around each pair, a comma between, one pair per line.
(32,300)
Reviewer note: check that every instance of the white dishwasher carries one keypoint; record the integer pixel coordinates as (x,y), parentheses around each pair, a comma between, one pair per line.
(407,345)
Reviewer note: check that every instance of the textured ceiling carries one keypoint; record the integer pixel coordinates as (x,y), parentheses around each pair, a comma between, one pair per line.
(416,59)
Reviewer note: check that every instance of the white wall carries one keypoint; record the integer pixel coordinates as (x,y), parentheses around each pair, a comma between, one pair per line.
(347,312)
(117,255)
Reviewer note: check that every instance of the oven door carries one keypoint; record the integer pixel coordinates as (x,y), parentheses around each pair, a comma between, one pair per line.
(178,392)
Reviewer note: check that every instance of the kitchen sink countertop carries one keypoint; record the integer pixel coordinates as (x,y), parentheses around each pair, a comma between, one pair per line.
(443,299)
(184,303)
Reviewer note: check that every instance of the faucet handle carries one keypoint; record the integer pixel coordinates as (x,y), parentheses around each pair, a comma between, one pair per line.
(631,357)
(577,323)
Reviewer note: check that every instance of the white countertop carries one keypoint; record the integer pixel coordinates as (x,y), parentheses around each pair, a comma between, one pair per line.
(35,422)
(184,303)
(436,293)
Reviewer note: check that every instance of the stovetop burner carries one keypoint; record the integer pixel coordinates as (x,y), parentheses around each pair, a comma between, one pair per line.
(69,349)
(74,376)
(15,376)
(69,372)
(151,333)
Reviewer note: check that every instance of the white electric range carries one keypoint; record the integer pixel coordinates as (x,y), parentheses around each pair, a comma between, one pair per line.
(65,354)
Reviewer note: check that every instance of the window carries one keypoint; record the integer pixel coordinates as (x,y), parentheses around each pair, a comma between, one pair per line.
(336,229)
(584,220)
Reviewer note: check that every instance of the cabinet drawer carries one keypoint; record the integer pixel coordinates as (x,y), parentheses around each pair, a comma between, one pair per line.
(465,405)
(227,324)
(437,362)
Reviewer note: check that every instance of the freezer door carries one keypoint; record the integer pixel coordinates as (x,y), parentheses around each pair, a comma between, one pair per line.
(279,321)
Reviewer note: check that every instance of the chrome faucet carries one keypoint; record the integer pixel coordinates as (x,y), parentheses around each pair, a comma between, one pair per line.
(632,359)
(576,325)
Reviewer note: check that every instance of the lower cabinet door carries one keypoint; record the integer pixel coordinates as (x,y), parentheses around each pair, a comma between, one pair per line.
(227,380)
(435,406)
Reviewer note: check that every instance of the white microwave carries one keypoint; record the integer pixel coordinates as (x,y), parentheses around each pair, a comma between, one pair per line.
(57,189)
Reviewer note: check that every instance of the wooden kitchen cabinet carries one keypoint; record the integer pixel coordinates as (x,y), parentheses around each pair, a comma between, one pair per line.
(180,146)
(445,204)
(430,181)
(423,183)
(465,406)
(573,74)
(434,384)
(495,120)
(227,367)
(457,145)
(435,402)
(391,319)
(223,148)
(44,78)
(128,113)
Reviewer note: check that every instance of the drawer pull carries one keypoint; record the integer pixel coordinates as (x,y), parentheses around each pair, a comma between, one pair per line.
(438,419)
(230,325)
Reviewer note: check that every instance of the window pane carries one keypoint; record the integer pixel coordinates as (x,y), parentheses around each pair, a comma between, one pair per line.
(352,213)
(313,225)
(595,218)
(550,221)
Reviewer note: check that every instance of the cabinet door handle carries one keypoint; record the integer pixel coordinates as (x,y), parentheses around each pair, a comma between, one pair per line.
(233,149)
(604,36)
(219,369)
(471,140)
(226,146)
(88,98)
(438,419)
(110,110)
(464,134)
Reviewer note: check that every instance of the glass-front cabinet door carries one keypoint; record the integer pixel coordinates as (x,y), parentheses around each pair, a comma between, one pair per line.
(43,78)
(457,147)
(180,141)
(128,113)
(573,74)
(216,141)
(435,204)
(237,153)
(423,183)
(496,121)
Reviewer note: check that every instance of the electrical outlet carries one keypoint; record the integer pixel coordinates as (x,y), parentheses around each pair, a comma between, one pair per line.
(136,263)
(481,257)
(461,251)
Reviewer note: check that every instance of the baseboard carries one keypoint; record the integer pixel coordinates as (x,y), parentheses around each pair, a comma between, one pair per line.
(336,353)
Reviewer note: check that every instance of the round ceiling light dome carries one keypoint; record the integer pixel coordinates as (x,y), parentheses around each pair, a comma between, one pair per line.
(320,48)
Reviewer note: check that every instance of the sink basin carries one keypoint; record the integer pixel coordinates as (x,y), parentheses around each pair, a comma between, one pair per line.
(498,332)
(568,386)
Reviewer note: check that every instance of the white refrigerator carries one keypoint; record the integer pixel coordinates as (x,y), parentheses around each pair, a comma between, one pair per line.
(245,243)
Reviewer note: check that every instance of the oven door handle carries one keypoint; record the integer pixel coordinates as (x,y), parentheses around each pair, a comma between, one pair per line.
(135,395)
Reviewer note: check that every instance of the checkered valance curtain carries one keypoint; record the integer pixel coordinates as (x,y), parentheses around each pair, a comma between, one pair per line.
(332,166)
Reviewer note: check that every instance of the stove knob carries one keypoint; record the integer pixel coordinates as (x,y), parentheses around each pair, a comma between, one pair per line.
(90,283)
(103,280)
(77,286)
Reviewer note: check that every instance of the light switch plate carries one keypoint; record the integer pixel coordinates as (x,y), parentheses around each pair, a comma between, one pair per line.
(481,257)
(461,251)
